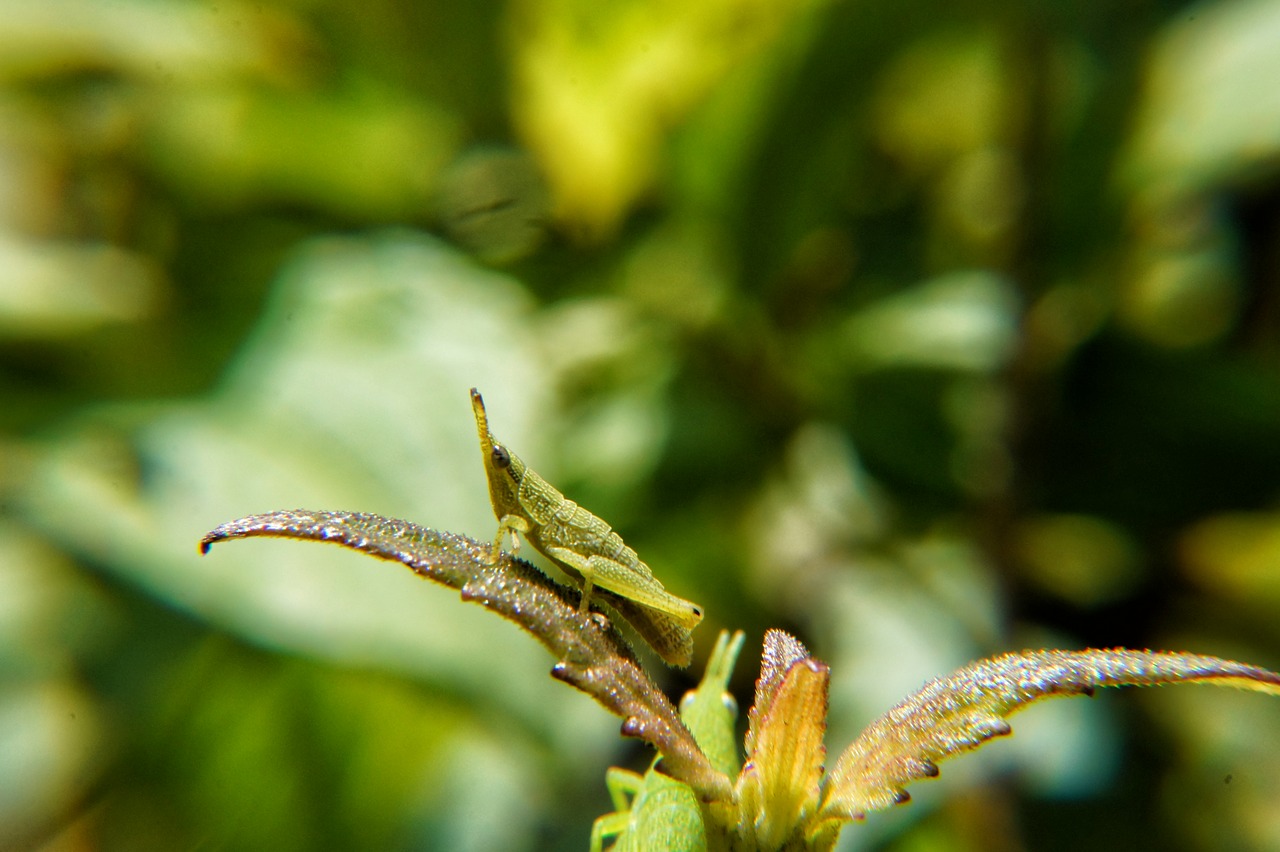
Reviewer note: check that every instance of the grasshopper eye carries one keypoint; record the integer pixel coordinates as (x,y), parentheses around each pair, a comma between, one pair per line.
(501,458)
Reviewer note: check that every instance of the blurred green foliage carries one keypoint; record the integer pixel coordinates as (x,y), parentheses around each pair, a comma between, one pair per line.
(923,330)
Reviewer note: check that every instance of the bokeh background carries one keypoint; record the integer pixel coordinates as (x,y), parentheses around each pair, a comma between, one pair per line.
(923,330)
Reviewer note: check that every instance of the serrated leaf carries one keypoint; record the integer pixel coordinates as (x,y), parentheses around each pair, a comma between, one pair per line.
(781,651)
(957,713)
(779,785)
(663,813)
(592,654)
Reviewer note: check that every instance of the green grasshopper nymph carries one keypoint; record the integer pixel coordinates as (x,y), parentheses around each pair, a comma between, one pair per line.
(584,547)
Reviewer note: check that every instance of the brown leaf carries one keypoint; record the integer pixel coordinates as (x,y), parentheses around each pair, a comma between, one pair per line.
(960,712)
(592,654)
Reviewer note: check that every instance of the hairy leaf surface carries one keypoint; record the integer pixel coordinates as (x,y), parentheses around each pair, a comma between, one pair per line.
(592,654)
(957,713)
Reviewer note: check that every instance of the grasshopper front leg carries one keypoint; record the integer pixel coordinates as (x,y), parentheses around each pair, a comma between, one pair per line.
(510,524)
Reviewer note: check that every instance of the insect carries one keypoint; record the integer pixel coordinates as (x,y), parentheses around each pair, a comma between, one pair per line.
(584,547)
(654,811)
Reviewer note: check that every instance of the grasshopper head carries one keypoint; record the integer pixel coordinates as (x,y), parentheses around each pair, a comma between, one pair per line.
(503,468)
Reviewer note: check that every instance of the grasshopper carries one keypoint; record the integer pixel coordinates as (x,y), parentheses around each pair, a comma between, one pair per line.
(584,547)
(654,811)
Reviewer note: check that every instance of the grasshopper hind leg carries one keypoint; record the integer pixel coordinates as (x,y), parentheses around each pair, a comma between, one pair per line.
(668,633)
(585,569)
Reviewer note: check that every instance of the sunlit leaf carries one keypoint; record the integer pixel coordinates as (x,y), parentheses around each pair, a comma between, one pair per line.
(655,811)
(779,785)
(596,90)
(781,652)
(592,654)
(960,712)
